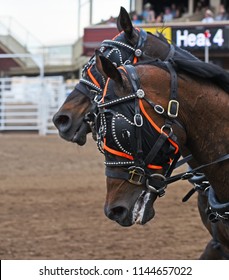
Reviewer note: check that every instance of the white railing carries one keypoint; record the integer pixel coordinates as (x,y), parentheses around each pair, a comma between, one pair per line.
(30,103)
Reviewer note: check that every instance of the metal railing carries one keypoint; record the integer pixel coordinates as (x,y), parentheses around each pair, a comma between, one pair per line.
(29,103)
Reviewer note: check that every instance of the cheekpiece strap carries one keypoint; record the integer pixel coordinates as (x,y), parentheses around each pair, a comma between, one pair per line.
(173,106)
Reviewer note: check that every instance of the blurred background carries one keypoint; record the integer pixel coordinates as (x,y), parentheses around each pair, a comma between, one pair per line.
(44,45)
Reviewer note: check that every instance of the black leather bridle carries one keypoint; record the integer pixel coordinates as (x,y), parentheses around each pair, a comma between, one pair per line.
(136,171)
(120,52)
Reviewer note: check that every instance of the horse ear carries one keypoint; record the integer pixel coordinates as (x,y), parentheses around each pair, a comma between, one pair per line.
(119,19)
(107,68)
(124,23)
(98,64)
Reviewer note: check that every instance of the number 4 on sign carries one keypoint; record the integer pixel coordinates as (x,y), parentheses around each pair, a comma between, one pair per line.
(218,38)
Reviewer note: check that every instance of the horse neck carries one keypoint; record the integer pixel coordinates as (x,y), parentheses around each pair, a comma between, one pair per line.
(204,112)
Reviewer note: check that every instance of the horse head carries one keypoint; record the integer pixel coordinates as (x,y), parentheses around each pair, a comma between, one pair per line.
(75,117)
(138,144)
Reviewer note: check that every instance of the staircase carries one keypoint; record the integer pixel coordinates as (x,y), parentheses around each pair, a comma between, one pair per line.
(15,39)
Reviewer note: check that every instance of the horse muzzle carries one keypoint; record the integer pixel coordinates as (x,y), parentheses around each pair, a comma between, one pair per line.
(140,213)
(70,130)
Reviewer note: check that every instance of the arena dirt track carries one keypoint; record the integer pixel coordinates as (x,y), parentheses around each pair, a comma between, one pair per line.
(52,196)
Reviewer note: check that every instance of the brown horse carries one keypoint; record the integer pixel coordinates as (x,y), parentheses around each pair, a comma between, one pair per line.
(148,115)
(75,117)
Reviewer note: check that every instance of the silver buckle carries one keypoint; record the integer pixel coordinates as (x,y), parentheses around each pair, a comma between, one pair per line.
(173,103)
(138,120)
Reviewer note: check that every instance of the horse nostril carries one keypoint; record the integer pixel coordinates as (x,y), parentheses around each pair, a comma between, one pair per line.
(62,122)
(118,213)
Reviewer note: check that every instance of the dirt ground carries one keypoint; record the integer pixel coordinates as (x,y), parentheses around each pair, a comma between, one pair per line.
(51,207)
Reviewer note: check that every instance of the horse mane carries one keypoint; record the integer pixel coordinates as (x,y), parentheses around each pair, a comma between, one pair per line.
(190,64)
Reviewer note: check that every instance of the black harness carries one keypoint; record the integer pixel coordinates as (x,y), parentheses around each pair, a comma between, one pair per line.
(120,52)
(113,49)
(124,126)
(122,132)
(136,170)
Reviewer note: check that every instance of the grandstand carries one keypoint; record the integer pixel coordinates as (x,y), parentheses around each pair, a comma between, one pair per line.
(27,67)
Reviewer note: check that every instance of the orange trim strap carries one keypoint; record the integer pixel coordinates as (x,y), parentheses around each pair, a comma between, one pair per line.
(115,152)
(156,126)
(93,78)
(121,154)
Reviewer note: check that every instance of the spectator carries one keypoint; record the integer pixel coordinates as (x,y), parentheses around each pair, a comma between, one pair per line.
(222,15)
(148,13)
(201,5)
(159,18)
(208,17)
(204,4)
(167,15)
(175,11)
(136,19)
(198,8)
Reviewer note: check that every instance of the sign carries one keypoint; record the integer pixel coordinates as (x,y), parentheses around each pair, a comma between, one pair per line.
(167,32)
(195,37)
